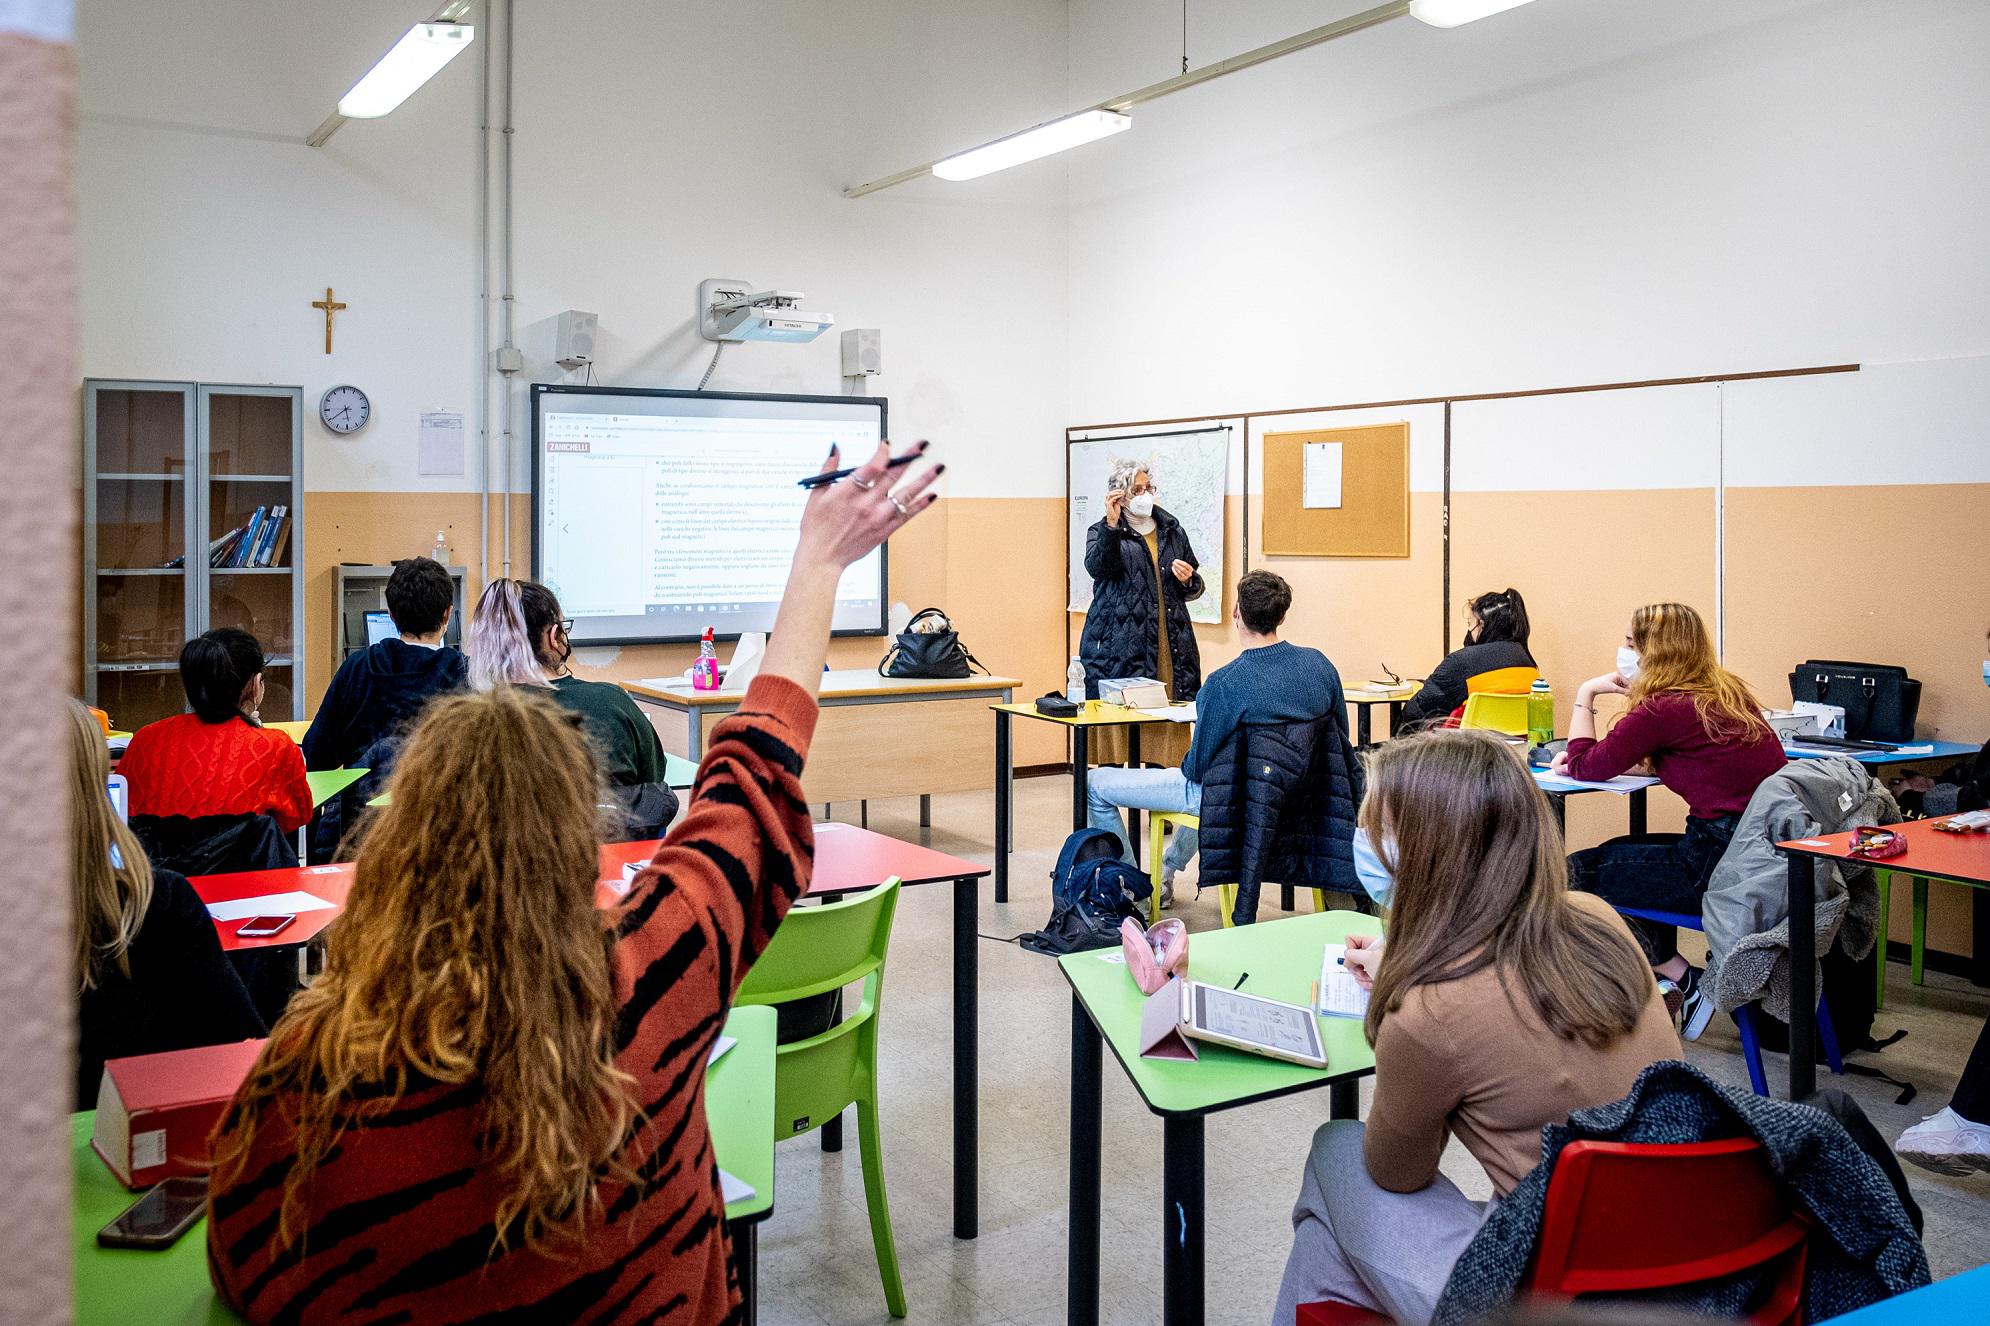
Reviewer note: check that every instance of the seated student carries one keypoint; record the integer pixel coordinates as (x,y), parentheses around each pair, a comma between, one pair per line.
(1500,1002)
(1701,731)
(192,772)
(150,973)
(1270,681)
(1495,637)
(1956,1138)
(377,690)
(519,637)
(490,1106)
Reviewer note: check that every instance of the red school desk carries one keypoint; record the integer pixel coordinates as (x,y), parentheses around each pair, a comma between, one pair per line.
(1961,857)
(331,883)
(847,860)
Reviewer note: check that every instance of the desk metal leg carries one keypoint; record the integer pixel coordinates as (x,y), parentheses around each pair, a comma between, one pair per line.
(746,1268)
(925,810)
(1803,988)
(1396,708)
(1560,805)
(1640,810)
(1133,835)
(1181,1220)
(1081,768)
(967,1087)
(1344,1099)
(1082,1254)
(1361,726)
(1003,809)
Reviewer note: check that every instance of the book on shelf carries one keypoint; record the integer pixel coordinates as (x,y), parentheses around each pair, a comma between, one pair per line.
(248,543)
(280,542)
(218,550)
(259,552)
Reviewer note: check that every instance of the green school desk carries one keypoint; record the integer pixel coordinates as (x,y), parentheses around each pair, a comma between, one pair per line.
(1282,959)
(328,783)
(115,1286)
(1095,714)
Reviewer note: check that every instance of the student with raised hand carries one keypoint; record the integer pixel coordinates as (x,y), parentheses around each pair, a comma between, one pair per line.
(490,1106)
(519,637)
(1496,631)
(1700,729)
(1500,1002)
(150,973)
(218,760)
(379,690)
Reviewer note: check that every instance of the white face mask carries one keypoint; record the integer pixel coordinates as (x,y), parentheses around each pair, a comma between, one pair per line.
(1627,662)
(1140,507)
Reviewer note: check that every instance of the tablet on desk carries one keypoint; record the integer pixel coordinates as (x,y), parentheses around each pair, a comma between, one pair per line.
(1246,1022)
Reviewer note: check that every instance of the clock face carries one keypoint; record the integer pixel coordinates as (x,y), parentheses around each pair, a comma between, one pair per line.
(344,409)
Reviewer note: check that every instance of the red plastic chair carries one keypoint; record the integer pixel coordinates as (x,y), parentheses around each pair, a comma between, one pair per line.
(1604,1226)
(1600,1233)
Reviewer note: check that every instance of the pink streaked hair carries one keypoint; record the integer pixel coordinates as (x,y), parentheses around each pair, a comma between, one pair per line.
(500,651)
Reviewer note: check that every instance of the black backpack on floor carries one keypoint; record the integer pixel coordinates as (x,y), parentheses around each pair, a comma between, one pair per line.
(1091,891)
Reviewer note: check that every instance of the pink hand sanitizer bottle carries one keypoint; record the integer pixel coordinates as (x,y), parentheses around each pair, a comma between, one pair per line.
(705,672)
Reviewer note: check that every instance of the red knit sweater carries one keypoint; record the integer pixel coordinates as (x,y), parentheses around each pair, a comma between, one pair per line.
(398,1221)
(184,766)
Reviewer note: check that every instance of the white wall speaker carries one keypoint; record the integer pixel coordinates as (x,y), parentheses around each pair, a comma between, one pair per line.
(573,341)
(863,352)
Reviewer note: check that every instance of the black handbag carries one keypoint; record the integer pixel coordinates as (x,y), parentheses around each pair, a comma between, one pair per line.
(934,654)
(1880,700)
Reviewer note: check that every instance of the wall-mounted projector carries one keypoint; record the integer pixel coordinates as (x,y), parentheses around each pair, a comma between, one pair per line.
(734,311)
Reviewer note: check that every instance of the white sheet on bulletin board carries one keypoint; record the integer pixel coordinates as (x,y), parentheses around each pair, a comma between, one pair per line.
(1322,476)
(1191,472)
(439,442)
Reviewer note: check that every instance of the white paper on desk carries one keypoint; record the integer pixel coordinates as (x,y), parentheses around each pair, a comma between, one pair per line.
(1321,482)
(439,442)
(733,1188)
(719,1048)
(1341,996)
(1621,785)
(268,904)
(1173,713)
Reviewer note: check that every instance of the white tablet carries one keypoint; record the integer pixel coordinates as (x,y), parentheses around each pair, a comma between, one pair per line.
(1262,1026)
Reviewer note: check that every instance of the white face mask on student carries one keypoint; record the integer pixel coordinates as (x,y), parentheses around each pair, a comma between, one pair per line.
(1627,663)
(1373,872)
(1986,672)
(1140,507)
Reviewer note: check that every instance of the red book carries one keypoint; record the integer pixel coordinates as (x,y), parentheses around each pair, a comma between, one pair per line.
(154,1111)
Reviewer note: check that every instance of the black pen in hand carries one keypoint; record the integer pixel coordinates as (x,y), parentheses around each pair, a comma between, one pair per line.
(831,476)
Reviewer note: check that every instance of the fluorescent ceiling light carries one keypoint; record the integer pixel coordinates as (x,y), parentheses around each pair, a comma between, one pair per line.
(1455,13)
(414,60)
(1086,126)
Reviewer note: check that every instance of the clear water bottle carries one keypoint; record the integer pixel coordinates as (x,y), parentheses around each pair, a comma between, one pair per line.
(1074,682)
(705,672)
(440,552)
(1540,714)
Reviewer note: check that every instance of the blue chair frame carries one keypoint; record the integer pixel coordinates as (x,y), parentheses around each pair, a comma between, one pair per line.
(1744,1017)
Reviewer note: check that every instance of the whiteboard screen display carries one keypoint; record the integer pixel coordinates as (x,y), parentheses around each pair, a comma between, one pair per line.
(659,513)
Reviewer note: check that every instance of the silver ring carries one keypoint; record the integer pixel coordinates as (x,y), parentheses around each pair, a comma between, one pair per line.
(865,484)
(903,509)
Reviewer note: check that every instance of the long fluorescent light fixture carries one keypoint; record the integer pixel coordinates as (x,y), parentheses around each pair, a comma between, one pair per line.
(415,59)
(1456,13)
(1087,126)
(1109,116)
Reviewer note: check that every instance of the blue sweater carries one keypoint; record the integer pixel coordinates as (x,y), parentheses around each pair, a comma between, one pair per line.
(1281,683)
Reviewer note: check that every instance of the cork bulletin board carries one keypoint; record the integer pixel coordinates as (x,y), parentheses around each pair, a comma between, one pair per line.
(1370,486)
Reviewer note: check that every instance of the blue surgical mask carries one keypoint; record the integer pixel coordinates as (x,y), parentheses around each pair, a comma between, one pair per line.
(1986,672)
(1374,873)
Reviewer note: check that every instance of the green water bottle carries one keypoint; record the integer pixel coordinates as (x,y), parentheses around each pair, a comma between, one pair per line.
(1540,714)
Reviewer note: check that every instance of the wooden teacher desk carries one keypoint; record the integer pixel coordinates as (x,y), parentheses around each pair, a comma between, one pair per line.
(876,737)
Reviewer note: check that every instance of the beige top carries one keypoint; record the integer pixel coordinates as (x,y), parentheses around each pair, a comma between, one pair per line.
(1462,1057)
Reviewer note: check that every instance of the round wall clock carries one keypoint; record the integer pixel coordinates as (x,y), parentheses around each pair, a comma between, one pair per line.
(344,409)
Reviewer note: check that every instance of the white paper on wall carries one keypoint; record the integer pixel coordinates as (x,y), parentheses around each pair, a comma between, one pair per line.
(439,442)
(1322,476)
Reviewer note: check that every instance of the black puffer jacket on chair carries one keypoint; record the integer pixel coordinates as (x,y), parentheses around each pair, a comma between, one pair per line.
(1278,804)
(1121,638)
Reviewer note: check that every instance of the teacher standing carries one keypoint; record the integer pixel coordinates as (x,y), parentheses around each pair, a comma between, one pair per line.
(1143,579)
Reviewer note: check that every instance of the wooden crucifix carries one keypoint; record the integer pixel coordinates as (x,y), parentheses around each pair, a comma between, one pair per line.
(330,306)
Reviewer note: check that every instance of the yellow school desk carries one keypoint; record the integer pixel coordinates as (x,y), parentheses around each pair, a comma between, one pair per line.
(877,736)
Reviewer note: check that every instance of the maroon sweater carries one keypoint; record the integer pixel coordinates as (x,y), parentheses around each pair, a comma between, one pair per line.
(1713,777)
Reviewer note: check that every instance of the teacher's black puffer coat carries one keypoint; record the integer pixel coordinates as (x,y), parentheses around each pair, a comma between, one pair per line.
(1121,638)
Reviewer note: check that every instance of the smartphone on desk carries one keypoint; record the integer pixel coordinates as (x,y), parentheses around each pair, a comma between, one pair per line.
(157,1219)
(262,927)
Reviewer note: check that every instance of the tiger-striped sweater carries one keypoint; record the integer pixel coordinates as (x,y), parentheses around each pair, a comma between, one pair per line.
(399,1222)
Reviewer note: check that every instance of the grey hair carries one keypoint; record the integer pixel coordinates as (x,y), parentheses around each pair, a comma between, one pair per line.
(1120,477)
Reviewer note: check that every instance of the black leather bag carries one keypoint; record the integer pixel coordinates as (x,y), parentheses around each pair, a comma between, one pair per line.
(1880,700)
(936,654)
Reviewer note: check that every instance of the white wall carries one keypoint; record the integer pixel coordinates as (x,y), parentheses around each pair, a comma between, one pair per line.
(1570,192)
(655,145)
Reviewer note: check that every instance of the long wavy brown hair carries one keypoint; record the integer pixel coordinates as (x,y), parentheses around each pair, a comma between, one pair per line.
(1481,881)
(469,952)
(113,878)
(1676,653)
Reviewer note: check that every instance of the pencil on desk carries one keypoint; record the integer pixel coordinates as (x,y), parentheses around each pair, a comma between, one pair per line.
(1313,998)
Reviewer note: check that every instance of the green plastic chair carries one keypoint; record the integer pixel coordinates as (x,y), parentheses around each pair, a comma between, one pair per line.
(817,950)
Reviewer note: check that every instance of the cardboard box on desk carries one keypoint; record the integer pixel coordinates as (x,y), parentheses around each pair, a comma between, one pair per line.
(1134,692)
(154,1111)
